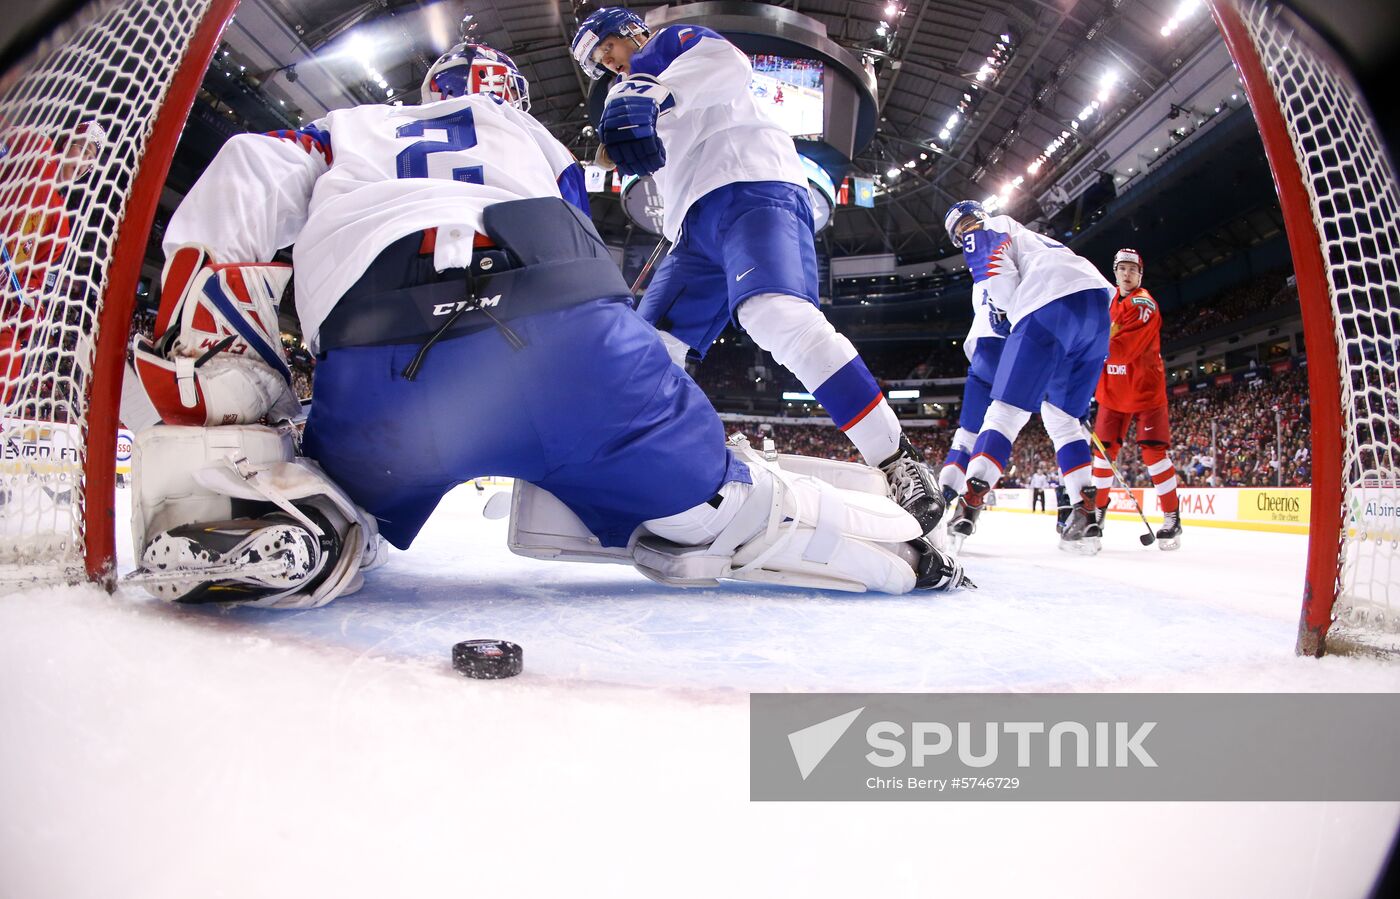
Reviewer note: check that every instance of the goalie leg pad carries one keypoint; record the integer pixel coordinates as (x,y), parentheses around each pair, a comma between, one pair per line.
(785,528)
(542,527)
(262,560)
(186,475)
(165,460)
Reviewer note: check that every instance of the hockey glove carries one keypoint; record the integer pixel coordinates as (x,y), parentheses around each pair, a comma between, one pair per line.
(217,358)
(628,126)
(1001,326)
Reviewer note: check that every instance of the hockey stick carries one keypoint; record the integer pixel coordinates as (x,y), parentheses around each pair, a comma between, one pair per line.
(14,279)
(1146,539)
(602,160)
(656,255)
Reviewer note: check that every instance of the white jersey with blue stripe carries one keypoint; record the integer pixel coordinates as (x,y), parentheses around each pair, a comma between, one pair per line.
(717,133)
(1015,270)
(348,185)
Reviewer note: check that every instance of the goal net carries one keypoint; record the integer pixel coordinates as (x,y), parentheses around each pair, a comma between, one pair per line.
(89,120)
(1337,189)
(128,70)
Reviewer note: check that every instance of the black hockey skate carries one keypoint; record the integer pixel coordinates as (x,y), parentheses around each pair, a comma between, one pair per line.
(913,485)
(1082,533)
(1169,534)
(937,570)
(241,561)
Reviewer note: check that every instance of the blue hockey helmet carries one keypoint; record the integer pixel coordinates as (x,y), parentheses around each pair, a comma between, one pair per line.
(959,211)
(472,68)
(600,25)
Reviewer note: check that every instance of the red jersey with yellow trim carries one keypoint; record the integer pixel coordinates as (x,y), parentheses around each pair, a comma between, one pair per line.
(34,231)
(34,225)
(1134,378)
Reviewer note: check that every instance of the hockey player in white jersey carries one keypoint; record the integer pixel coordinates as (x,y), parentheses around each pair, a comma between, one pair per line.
(468,321)
(737,208)
(983,346)
(1053,306)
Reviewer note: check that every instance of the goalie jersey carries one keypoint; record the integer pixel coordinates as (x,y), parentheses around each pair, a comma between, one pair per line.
(717,133)
(346,186)
(1015,271)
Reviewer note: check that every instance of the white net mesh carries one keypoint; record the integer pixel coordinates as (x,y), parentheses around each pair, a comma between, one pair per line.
(1356,208)
(74,126)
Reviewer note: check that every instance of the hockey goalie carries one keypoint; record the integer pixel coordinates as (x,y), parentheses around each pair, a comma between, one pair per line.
(468,320)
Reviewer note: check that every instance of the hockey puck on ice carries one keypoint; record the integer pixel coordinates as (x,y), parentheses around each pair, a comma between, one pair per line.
(487,659)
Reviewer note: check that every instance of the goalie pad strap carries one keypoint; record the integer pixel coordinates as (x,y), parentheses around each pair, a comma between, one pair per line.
(754,515)
(828,531)
(185,383)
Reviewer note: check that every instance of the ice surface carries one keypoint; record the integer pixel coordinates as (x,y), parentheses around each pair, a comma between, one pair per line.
(154,751)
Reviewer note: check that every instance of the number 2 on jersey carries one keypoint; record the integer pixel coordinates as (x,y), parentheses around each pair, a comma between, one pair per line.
(412,161)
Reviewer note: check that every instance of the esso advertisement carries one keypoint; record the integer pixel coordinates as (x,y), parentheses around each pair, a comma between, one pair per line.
(125,441)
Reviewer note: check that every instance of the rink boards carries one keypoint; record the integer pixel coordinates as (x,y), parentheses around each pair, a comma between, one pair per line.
(1282,510)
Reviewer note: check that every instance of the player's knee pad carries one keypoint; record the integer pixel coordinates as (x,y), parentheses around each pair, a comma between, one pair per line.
(1005,418)
(793,525)
(1062,427)
(190,475)
(963,439)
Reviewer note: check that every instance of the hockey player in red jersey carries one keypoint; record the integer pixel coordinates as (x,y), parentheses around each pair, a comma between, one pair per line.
(1134,385)
(35,174)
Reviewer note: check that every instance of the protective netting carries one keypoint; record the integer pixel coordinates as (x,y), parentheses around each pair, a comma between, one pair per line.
(75,121)
(1355,204)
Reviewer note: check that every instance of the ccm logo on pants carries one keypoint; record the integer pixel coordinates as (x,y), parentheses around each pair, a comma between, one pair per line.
(449,308)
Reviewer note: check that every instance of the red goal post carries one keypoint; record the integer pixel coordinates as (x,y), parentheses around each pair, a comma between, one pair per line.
(132,68)
(1337,189)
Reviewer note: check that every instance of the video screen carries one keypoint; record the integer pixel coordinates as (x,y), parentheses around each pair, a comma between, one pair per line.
(790,91)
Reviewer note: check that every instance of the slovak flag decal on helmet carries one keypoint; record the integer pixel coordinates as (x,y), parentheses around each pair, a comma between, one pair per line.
(471,68)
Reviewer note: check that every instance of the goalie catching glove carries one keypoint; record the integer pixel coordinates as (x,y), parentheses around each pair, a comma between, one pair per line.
(628,125)
(217,356)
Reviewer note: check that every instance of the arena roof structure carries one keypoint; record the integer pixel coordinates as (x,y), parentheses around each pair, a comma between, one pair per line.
(989,100)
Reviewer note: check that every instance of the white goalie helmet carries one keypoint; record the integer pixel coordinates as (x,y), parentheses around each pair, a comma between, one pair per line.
(473,68)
